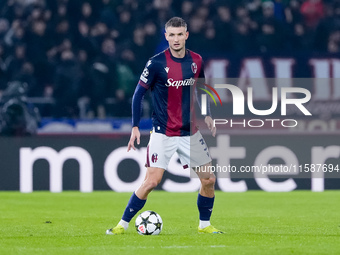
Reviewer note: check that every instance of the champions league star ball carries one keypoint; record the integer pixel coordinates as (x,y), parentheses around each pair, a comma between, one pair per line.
(149,223)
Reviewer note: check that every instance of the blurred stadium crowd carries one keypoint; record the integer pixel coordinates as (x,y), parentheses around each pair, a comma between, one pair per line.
(86,56)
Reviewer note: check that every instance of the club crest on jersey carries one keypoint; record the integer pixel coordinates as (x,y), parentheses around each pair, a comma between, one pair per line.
(194,67)
(154,158)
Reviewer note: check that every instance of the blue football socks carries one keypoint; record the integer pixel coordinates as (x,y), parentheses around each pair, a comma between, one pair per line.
(133,206)
(205,206)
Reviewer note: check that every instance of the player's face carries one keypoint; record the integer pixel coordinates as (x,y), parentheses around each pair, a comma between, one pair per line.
(176,36)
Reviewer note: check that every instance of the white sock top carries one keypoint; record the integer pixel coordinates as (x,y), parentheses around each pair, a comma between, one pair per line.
(204,223)
(124,224)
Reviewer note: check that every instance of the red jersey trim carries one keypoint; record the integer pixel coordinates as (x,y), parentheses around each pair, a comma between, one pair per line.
(174,107)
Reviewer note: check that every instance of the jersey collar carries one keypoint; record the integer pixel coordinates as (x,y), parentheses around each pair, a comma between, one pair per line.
(179,60)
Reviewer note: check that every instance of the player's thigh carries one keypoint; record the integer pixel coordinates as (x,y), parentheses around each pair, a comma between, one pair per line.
(193,151)
(160,150)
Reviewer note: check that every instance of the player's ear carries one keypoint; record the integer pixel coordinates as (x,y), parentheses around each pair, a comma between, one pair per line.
(186,35)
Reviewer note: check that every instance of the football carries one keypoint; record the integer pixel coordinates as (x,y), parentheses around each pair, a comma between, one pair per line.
(149,223)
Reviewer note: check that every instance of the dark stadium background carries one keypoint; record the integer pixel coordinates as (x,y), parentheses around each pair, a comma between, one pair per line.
(81,60)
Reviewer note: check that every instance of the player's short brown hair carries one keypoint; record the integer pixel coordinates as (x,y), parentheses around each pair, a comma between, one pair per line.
(176,22)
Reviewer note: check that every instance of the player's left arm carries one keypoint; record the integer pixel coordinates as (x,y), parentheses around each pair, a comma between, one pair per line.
(210,123)
(208,118)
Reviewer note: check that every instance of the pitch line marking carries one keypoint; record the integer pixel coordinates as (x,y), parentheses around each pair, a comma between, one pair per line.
(180,247)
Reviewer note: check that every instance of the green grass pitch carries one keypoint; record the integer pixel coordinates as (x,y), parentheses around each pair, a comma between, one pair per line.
(255,222)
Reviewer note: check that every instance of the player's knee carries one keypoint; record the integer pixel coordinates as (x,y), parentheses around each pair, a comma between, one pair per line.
(212,181)
(150,184)
(209,182)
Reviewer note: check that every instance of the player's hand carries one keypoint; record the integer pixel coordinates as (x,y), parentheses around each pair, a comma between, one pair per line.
(210,123)
(135,134)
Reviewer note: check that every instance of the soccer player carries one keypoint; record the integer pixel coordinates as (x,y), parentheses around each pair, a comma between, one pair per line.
(170,75)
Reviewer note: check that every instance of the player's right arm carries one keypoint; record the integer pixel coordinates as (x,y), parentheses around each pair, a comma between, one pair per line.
(135,134)
(137,101)
(145,82)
